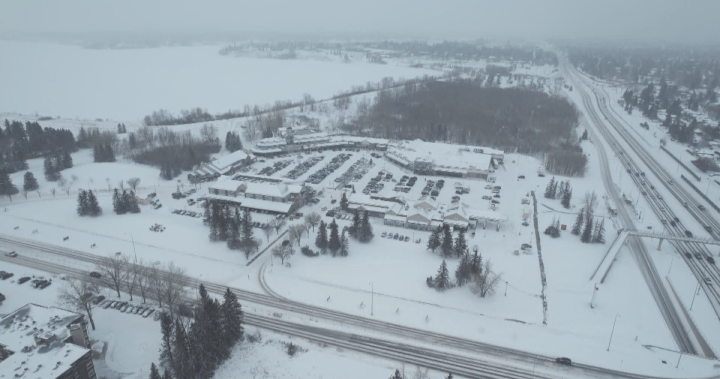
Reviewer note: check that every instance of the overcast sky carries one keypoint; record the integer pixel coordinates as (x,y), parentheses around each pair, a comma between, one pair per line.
(605,19)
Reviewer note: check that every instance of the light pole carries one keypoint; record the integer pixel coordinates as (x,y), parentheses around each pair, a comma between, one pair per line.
(613,331)
(506,283)
(372,298)
(133,243)
(708,187)
(695,292)
(671,261)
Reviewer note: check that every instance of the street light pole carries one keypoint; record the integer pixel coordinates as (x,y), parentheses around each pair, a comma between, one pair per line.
(506,283)
(612,332)
(671,261)
(695,294)
(133,243)
(372,298)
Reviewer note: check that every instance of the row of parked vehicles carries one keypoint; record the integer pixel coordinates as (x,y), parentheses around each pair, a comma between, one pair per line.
(187,213)
(334,164)
(181,195)
(303,167)
(405,184)
(39,282)
(375,184)
(124,306)
(277,166)
(398,237)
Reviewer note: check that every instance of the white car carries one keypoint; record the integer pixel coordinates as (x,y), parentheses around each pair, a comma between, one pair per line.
(11,254)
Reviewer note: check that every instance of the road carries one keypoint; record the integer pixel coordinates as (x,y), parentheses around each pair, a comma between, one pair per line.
(600,117)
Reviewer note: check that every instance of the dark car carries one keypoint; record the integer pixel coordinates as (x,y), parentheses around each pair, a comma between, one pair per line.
(711,260)
(95,275)
(43,284)
(672,223)
(688,255)
(98,299)
(709,229)
(563,361)
(688,233)
(23,279)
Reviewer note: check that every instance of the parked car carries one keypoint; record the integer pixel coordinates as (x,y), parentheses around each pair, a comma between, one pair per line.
(396,236)
(95,274)
(383,234)
(108,304)
(11,254)
(407,238)
(688,233)
(23,279)
(98,299)
(563,361)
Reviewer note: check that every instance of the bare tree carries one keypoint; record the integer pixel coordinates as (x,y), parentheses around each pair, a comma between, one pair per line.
(156,283)
(134,272)
(52,191)
(590,201)
(313,219)
(115,267)
(174,279)
(268,230)
(77,295)
(65,185)
(282,252)
(295,232)
(208,132)
(107,180)
(133,183)
(144,280)
(277,224)
(486,282)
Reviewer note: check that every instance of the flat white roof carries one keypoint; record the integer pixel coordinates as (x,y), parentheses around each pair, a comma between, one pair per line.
(225,183)
(273,206)
(272,189)
(446,156)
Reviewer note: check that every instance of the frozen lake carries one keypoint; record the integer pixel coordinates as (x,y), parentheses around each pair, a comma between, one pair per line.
(69,81)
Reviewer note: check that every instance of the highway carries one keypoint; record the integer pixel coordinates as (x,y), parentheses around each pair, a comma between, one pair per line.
(691,253)
(463,357)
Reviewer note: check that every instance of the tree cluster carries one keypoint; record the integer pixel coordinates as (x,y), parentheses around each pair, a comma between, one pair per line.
(336,243)
(103,153)
(19,142)
(361,228)
(121,129)
(125,202)
(230,225)
(196,350)
(553,230)
(93,136)
(585,225)
(232,142)
(88,204)
(559,190)
(441,238)
(53,165)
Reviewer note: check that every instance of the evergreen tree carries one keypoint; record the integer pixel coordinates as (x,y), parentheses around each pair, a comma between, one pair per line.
(434,241)
(67,161)
(222,222)
(354,228)
(365,233)
(334,240)
(577,226)
(397,375)
(134,207)
(82,206)
(549,189)
(449,376)
(181,352)
(167,375)
(344,203)
(561,190)
(97,154)
(154,373)
(587,234)
(7,188)
(463,271)
(30,183)
(321,241)
(461,246)
(109,154)
(132,141)
(214,210)
(232,318)
(93,206)
(447,241)
(554,189)
(476,264)
(246,234)
(229,141)
(344,245)
(442,279)
(599,234)
(52,172)
(235,224)
(168,339)
(117,202)
(566,197)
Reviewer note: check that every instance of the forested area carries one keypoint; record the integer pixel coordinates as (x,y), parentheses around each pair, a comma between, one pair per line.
(465,112)
(20,142)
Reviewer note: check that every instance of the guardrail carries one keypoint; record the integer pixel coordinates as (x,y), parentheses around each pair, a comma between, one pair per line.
(681,164)
(700,193)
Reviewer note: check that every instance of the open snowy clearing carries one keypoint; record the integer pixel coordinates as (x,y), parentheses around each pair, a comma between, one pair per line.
(70,81)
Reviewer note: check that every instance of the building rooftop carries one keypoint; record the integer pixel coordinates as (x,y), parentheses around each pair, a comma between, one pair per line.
(18,332)
(225,163)
(225,183)
(447,156)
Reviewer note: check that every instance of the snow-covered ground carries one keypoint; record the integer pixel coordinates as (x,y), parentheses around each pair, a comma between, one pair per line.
(70,81)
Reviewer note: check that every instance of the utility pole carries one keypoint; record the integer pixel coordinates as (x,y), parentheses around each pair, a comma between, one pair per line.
(695,292)
(133,243)
(612,332)
(372,298)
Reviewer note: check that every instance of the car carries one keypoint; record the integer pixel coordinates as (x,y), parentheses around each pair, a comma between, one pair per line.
(148,312)
(659,197)
(673,223)
(156,316)
(521,176)
(526,246)
(23,279)
(701,207)
(44,283)
(525,223)
(11,254)
(688,233)
(708,281)
(418,240)
(663,221)
(563,361)
(395,236)
(489,186)
(711,260)
(407,238)
(497,195)
(108,304)
(495,201)
(684,204)
(709,229)
(95,274)
(688,255)
(138,310)
(541,175)
(6,275)
(698,256)
(495,191)
(98,299)
(487,197)
(129,309)
(383,234)
(125,307)
(677,219)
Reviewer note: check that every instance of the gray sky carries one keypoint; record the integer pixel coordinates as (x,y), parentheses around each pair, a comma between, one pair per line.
(606,19)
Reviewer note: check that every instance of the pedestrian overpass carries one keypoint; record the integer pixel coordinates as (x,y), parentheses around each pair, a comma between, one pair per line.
(604,267)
